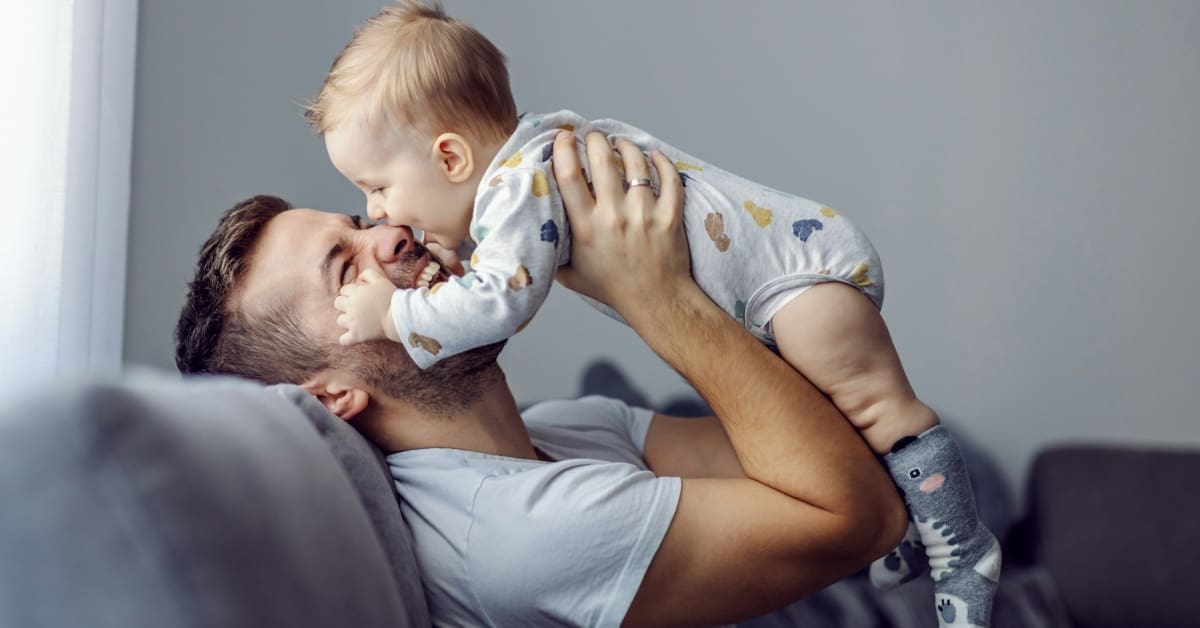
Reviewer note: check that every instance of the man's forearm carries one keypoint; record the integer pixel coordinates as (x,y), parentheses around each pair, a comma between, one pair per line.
(787,434)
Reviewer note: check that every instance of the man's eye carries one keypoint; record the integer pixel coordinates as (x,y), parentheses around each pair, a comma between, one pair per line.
(347,275)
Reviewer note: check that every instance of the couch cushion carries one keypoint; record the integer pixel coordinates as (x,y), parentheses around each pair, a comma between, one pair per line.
(1117,528)
(168,503)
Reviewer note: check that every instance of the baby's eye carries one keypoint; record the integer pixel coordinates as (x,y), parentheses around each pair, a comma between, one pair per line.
(376,190)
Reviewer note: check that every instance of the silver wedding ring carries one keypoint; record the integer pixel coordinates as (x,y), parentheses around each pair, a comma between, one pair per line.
(636,182)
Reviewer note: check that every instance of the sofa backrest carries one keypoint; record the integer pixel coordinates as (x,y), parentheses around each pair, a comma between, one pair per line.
(1119,530)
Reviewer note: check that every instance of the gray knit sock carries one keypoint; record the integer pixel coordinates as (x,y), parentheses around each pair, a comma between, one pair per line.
(964,557)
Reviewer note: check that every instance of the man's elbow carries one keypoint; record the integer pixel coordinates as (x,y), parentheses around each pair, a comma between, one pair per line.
(884,525)
(874,528)
(893,523)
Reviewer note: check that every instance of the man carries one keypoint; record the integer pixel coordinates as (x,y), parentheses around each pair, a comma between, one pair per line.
(557,519)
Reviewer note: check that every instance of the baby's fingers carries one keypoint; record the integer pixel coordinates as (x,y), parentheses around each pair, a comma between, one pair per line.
(447,258)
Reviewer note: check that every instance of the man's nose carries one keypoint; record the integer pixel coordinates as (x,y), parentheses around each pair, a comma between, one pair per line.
(394,243)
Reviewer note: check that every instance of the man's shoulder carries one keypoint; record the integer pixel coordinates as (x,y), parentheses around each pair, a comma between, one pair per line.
(589,427)
(584,410)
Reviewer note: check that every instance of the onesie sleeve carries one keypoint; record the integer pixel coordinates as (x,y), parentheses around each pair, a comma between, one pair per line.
(519,218)
(568,544)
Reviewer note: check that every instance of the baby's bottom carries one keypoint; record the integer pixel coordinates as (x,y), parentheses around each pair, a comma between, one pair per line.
(834,335)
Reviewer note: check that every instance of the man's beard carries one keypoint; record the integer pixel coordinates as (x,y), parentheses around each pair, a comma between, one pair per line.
(450,384)
(403,271)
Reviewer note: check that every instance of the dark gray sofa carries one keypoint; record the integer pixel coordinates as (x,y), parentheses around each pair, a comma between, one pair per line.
(214,502)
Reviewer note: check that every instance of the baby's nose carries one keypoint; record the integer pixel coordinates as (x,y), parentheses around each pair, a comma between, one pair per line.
(374,211)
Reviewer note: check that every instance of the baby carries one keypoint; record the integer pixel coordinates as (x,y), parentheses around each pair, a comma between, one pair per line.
(417,112)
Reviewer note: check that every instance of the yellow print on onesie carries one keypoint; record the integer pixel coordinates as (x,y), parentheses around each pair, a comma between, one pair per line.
(761,215)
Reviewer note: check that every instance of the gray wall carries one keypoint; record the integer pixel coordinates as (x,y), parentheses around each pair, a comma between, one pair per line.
(1027,172)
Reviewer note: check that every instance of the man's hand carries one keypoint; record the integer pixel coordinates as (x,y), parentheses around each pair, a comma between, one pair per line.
(628,247)
(364,309)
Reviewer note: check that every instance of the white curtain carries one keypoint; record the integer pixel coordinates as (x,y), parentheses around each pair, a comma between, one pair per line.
(66,119)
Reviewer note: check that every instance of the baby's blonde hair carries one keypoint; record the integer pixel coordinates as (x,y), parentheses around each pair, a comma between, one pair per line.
(414,65)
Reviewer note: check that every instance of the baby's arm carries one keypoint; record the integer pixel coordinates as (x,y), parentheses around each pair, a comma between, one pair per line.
(519,234)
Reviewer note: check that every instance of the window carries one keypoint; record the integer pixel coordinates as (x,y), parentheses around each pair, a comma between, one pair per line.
(66,120)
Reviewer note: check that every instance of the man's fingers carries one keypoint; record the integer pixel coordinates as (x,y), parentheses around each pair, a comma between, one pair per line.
(635,162)
(606,178)
(568,173)
(565,276)
(670,189)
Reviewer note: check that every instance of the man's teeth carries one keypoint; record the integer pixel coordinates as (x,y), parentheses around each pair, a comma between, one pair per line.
(428,274)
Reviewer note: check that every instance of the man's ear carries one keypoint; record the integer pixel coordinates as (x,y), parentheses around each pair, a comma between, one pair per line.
(341,397)
(454,157)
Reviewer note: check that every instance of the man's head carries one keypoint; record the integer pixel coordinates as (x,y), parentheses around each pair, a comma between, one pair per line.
(261,306)
(409,111)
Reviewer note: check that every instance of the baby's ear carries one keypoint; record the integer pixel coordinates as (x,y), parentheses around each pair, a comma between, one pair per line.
(454,157)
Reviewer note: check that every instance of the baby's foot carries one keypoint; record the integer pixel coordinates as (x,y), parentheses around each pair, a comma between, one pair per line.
(964,557)
(904,563)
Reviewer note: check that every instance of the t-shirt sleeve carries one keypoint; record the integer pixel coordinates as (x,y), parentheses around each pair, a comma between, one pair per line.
(568,543)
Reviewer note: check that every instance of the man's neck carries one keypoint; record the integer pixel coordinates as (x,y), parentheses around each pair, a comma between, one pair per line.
(491,425)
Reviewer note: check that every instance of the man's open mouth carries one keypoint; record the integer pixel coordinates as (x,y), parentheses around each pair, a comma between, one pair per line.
(427,275)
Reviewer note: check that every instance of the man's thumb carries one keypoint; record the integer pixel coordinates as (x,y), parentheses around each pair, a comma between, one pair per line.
(566,277)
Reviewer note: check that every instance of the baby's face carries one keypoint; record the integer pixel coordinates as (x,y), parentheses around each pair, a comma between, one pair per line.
(401,179)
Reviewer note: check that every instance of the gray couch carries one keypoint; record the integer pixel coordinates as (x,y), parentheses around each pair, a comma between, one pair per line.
(216,503)
(157,502)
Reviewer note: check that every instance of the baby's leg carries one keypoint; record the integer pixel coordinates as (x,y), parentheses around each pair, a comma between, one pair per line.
(834,335)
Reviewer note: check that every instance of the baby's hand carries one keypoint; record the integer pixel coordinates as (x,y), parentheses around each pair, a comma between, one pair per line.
(364,309)
(447,258)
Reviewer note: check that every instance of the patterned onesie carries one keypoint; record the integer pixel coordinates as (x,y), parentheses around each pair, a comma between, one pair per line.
(752,248)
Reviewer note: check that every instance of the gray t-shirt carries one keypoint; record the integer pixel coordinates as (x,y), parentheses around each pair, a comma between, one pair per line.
(510,542)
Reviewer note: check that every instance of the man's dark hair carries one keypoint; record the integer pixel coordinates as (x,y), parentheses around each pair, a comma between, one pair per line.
(212,336)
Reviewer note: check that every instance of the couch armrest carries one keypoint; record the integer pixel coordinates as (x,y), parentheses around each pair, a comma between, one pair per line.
(194,503)
(1118,529)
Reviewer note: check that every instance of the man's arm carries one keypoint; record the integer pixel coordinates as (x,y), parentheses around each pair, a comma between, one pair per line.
(814,506)
(690,448)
